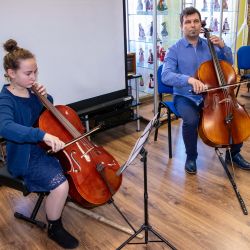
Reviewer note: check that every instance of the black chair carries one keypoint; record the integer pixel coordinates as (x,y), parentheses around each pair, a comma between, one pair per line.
(6,179)
(243,63)
(169,105)
(2,149)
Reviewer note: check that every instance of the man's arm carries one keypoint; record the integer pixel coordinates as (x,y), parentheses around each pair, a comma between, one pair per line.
(172,78)
(170,75)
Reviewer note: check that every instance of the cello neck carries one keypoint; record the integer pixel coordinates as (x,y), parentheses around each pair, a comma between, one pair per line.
(47,104)
(216,62)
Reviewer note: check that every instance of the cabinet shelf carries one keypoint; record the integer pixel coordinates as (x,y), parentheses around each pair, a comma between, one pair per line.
(149,41)
(218,12)
(148,13)
(147,65)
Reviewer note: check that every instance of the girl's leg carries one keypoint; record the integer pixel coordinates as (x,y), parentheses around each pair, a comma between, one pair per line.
(54,206)
(56,200)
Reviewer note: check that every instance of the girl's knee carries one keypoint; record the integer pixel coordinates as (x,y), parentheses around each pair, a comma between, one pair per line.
(62,188)
(65,185)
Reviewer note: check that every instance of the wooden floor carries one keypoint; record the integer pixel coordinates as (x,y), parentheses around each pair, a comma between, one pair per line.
(191,211)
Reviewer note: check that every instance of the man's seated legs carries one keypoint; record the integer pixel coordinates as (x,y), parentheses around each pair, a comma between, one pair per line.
(190,114)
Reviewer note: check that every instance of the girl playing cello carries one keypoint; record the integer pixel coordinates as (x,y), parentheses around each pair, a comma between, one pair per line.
(19,110)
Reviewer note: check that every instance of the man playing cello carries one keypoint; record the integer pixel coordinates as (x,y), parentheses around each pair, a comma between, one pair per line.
(180,65)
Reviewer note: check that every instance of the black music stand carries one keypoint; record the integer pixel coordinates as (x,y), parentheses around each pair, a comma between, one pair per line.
(139,149)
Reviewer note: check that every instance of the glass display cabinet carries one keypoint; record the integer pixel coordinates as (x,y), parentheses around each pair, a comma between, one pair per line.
(151,31)
(221,17)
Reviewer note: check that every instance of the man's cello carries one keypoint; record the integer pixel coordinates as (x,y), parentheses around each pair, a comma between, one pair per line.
(223,120)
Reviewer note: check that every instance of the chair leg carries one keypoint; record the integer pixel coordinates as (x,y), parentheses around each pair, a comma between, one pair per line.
(158,125)
(2,152)
(32,218)
(169,134)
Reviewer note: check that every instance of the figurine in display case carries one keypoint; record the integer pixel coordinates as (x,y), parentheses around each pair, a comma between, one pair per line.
(151,29)
(162,54)
(204,8)
(139,6)
(205,20)
(158,48)
(147,5)
(225,27)
(151,4)
(216,5)
(211,24)
(141,81)
(164,31)
(161,6)
(224,5)
(150,56)
(158,38)
(215,27)
(141,56)
(151,81)
(141,32)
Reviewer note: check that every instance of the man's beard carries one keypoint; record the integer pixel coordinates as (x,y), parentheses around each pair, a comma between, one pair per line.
(193,33)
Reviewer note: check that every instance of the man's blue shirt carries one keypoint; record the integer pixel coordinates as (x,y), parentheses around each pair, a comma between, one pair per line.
(183,60)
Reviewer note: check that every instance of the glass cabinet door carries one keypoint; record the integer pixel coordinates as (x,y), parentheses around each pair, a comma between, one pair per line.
(229,23)
(140,35)
(221,17)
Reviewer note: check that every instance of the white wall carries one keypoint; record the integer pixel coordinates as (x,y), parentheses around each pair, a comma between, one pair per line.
(79,44)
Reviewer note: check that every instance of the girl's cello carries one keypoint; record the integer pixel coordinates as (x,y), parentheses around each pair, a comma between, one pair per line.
(223,120)
(80,160)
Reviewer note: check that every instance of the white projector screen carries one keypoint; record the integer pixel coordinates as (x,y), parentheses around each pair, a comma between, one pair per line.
(79,45)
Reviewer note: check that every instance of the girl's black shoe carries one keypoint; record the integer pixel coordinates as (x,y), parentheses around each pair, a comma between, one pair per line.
(57,233)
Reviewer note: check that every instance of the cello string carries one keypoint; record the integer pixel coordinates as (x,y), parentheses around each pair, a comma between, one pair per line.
(221,80)
(70,128)
(224,90)
(220,77)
